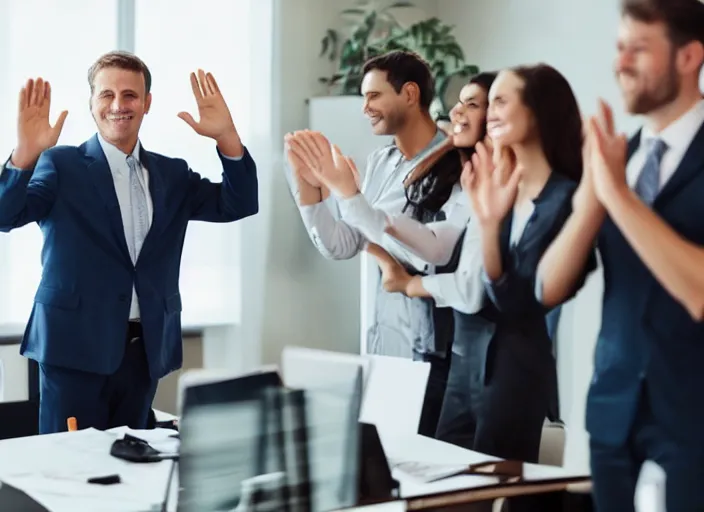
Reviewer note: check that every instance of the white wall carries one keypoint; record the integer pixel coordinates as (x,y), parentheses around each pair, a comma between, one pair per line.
(308,300)
(578,38)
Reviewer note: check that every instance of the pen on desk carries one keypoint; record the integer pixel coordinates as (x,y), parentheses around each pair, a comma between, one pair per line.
(72,424)
(105,480)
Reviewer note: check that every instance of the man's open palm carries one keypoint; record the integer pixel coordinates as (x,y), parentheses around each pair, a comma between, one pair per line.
(215,119)
(34,132)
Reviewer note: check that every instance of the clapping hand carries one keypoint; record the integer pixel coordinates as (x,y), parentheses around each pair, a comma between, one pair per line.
(298,166)
(34,133)
(492,183)
(326,163)
(215,118)
(606,155)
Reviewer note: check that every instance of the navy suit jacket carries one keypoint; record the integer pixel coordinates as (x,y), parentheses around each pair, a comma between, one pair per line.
(80,312)
(648,337)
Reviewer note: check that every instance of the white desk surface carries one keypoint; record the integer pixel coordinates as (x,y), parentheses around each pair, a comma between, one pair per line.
(53,469)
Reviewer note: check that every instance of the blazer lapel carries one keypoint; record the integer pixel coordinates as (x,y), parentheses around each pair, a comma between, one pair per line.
(691,165)
(99,173)
(157,192)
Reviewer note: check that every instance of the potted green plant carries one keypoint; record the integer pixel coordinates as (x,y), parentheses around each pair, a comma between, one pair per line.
(376,31)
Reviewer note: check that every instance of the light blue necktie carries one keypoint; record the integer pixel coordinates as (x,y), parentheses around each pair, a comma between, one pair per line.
(138,202)
(648,184)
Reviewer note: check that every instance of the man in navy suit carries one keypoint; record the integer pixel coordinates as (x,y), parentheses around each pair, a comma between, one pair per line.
(105,326)
(642,201)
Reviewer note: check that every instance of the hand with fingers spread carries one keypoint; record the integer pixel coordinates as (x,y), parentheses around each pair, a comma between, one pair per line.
(492,189)
(327,163)
(34,133)
(215,118)
(394,277)
(607,155)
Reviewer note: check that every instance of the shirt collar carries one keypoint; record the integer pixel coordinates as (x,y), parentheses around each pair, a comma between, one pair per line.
(116,158)
(439,138)
(678,135)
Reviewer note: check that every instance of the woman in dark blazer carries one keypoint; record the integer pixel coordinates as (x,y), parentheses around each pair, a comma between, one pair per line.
(519,205)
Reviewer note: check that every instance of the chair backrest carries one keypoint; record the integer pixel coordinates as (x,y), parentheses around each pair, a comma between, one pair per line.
(19,419)
(552,444)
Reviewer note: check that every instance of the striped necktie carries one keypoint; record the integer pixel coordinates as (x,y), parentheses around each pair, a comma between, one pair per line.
(138,203)
(648,184)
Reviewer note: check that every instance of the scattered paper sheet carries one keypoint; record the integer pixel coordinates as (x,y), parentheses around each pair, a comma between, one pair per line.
(54,469)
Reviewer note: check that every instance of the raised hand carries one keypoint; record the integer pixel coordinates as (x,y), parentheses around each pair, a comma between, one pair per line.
(327,163)
(34,133)
(606,155)
(215,118)
(491,188)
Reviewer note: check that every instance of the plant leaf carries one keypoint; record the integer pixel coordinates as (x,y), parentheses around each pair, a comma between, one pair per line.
(397,5)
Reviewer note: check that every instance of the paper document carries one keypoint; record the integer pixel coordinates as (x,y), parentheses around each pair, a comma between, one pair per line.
(53,469)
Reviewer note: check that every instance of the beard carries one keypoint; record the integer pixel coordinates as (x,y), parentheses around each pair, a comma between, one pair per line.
(664,91)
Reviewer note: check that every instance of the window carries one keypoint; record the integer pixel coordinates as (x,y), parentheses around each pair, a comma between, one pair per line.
(173,37)
(57,40)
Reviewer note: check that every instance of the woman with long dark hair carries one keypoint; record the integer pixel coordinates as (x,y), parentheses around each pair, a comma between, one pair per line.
(433,194)
(521,196)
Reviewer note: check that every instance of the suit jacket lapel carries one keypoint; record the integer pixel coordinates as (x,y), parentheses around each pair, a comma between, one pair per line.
(691,165)
(99,173)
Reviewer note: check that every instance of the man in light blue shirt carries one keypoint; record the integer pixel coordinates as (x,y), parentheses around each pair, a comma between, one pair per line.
(397,89)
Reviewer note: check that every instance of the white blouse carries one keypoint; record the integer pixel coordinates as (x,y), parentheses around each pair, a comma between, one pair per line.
(434,243)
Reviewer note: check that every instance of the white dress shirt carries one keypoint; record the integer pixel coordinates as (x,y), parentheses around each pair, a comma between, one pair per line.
(678,137)
(464,289)
(426,246)
(117,161)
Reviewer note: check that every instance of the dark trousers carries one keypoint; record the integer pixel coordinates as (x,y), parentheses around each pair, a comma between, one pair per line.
(462,402)
(99,401)
(434,393)
(513,407)
(553,319)
(615,469)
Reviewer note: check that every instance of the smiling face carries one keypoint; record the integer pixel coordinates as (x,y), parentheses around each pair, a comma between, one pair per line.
(118,105)
(468,116)
(645,66)
(509,121)
(386,109)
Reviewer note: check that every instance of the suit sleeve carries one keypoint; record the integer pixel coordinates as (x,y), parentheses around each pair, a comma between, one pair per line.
(236,197)
(27,195)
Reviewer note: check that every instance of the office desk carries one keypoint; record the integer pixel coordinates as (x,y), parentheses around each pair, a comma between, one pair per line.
(53,469)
